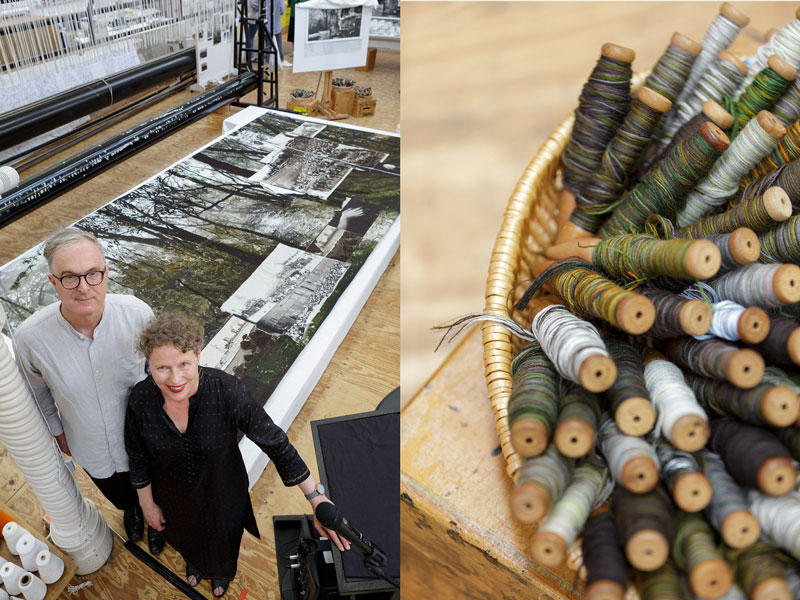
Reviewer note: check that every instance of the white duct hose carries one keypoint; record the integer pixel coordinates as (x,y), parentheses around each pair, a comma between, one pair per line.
(76,525)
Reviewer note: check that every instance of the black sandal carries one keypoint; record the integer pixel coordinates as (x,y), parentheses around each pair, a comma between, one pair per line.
(192,572)
(221,583)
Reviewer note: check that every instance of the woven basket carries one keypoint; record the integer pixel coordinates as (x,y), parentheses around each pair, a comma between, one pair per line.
(529,228)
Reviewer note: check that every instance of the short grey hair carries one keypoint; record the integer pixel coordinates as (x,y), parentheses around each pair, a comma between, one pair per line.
(64,237)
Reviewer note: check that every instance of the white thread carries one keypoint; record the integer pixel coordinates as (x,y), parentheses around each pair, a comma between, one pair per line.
(746,150)
(32,587)
(779,518)
(785,43)
(12,533)
(671,397)
(566,339)
(750,285)
(50,566)
(11,573)
(619,448)
(590,485)
(724,321)
(27,549)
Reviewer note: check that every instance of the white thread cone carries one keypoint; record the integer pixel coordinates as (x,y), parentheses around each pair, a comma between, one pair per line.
(11,574)
(32,587)
(27,548)
(12,532)
(3,594)
(51,567)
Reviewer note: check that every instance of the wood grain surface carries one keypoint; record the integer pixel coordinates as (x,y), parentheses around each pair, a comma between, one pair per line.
(484,84)
(365,367)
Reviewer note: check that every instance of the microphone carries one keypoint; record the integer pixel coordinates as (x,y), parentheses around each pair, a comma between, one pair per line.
(329,517)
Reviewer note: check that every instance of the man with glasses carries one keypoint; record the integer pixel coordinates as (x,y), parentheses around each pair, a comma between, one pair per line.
(79,357)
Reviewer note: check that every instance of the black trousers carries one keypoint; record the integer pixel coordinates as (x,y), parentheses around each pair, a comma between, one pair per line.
(118,490)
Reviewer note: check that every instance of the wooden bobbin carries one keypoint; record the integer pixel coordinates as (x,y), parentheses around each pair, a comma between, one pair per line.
(604,589)
(711,578)
(715,137)
(639,474)
(776,476)
(777,203)
(732,58)
(529,503)
(718,115)
(692,492)
(744,246)
(733,14)
(635,416)
(597,373)
(689,433)
(653,99)
(779,406)
(771,124)
(686,43)
(793,346)
(574,438)
(647,550)
(548,548)
(567,230)
(694,317)
(740,529)
(621,53)
(786,283)
(772,589)
(753,325)
(781,67)
(745,368)
(529,437)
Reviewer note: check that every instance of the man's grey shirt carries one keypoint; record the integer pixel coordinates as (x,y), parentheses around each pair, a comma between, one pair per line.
(82,384)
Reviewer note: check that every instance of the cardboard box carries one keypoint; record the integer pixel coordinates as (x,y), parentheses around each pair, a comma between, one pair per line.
(304,106)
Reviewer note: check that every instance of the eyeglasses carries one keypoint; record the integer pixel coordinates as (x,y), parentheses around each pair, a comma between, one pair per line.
(70,282)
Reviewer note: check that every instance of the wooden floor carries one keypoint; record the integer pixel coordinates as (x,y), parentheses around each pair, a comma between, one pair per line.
(364,369)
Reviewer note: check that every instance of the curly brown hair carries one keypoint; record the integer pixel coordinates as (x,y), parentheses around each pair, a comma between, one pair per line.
(182,331)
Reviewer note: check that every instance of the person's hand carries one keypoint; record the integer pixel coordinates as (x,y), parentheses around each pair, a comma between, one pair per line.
(348,214)
(341,543)
(154,516)
(61,440)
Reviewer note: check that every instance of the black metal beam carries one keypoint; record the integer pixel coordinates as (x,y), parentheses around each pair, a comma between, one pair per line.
(31,120)
(56,180)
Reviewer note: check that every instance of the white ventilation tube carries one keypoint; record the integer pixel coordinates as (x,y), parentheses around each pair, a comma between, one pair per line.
(77,527)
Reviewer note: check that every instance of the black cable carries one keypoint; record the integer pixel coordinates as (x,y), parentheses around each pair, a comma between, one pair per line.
(176,581)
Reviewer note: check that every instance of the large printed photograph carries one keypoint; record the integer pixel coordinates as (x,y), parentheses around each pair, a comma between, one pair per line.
(257,236)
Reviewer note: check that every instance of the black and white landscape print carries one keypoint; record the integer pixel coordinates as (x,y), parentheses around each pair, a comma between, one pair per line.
(325,24)
(256,235)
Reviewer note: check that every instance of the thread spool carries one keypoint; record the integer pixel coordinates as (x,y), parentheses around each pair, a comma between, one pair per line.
(741,367)
(781,244)
(578,412)
(790,438)
(605,185)
(767,286)
(587,292)
(787,108)
(12,532)
(27,549)
(32,587)
(767,86)
(784,43)
(50,566)
(532,406)
(760,573)
(786,177)
(676,315)
(753,456)
(663,188)
(758,138)
(734,322)
(758,213)
(645,526)
(672,69)
(541,480)
(680,418)
(628,399)
(787,150)
(782,345)
(3,594)
(779,519)
(602,106)
(710,111)
(639,256)
(11,573)
(589,485)
(765,404)
(695,553)
(665,583)
(575,348)
(737,248)
(691,490)
(631,460)
(728,512)
(606,567)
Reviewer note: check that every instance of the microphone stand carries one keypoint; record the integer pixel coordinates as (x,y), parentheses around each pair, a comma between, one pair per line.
(374,563)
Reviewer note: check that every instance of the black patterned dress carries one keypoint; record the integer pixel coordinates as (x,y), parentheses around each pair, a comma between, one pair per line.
(198,477)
